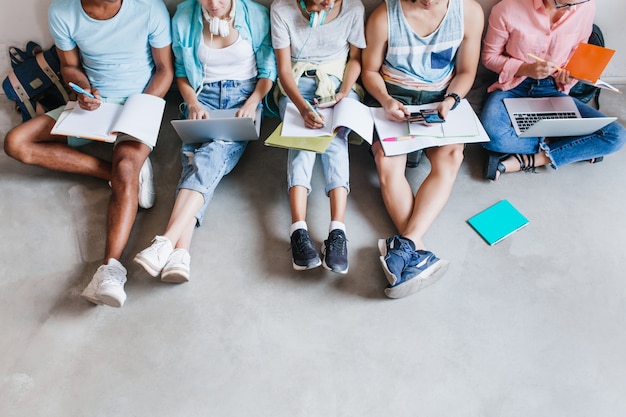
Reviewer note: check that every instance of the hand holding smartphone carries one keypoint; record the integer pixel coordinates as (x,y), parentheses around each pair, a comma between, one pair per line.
(432,116)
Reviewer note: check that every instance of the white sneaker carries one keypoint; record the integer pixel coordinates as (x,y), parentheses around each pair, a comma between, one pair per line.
(154,257)
(89,293)
(146,193)
(111,278)
(177,269)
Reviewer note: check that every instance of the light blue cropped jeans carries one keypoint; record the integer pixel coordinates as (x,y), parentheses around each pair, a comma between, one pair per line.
(205,164)
(335,161)
(561,150)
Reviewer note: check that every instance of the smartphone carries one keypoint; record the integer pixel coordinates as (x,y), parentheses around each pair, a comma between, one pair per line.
(324,102)
(432,116)
(416,117)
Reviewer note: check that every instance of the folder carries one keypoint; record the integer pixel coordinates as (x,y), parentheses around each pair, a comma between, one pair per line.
(589,62)
(497,222)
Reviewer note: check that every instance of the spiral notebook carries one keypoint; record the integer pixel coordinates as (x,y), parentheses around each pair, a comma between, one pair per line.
(498,221)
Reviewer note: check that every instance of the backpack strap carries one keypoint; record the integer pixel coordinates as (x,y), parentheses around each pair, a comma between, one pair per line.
(43,64)
(21,93)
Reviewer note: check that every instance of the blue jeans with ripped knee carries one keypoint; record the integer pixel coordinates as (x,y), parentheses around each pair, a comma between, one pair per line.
(562,150)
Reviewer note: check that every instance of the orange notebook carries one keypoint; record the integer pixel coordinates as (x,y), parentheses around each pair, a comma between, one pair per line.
(589,61)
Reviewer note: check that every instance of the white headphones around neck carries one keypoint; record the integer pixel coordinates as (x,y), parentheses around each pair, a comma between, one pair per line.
(217,26)
(315,19)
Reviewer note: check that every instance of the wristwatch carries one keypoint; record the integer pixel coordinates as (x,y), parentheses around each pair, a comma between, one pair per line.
(456,98)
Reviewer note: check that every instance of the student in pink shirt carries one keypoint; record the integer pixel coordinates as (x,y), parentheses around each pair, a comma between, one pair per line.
(550,30)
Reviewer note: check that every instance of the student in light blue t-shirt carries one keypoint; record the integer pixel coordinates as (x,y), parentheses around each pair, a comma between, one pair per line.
(112,49)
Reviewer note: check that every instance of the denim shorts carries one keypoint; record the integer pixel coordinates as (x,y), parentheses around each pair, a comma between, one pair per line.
(335,161)
(205,164)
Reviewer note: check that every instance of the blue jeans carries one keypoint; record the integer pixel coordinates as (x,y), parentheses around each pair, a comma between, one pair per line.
(562,150)
(335,161)
(204,165)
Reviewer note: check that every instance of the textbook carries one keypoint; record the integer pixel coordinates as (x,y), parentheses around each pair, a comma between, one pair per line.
(588,63)
(348,112)
(317,144)
(139,117)
(461,126)
(497,222)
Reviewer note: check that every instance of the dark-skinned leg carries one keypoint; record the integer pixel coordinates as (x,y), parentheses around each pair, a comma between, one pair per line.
(31,143)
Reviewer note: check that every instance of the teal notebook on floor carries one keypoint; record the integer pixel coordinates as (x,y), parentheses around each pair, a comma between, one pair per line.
(498,222)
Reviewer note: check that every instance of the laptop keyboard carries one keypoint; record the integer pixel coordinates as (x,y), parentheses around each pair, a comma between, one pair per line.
(526,120)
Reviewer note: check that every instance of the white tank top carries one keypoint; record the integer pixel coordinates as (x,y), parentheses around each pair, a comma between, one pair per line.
(235,62)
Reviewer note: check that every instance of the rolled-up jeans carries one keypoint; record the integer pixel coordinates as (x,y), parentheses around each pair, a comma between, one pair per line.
(560,150)
(205,164)
(335,161)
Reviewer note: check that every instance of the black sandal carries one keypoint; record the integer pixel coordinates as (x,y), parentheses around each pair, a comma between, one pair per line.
(495,165)
(526,162)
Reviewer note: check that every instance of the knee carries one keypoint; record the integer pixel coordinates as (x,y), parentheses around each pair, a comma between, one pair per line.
(448,161)
(126,172)
(389,168)
(15,146)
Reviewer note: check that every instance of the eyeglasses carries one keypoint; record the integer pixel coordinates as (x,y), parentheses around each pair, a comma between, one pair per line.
(560,6)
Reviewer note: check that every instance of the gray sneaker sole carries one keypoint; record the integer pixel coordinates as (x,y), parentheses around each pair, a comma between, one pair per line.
(382,248)
(311,265)
(112,300)
(150,269)
(329,268)
(175,275)
(423,280)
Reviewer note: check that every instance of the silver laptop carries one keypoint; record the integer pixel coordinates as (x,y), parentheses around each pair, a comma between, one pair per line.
(222,125)
(551,117)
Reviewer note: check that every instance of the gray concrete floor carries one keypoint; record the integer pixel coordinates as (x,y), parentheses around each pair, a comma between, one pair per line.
(533,326)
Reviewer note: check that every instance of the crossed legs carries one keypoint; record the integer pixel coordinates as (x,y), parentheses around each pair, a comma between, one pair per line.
(411,214)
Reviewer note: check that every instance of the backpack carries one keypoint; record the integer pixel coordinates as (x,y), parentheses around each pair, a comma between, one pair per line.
(35,82)
(585,92)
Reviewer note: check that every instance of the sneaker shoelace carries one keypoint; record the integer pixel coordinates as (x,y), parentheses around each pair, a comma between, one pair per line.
(303,245)
(110,277)
(336,243)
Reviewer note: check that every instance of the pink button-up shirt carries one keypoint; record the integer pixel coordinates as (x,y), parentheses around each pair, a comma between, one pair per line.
(517,27)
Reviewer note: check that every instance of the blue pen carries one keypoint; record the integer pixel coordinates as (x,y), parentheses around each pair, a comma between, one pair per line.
(317,115)
(80,90)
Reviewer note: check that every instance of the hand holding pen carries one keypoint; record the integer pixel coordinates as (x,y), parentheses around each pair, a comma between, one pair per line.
(543,69)
(316,121)
(87,100)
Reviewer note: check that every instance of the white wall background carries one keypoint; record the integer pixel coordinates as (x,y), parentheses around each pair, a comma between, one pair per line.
(26,20)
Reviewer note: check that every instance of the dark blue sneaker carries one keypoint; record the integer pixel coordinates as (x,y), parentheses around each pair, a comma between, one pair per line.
(303,252)
(423,270)
(395,255)
(335,252)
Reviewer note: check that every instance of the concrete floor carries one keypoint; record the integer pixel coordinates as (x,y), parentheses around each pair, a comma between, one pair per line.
(533,326)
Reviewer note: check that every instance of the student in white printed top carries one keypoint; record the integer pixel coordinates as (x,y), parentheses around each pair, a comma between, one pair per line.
(223,59)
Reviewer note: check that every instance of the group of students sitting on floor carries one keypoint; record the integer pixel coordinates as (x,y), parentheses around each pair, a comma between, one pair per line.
(229,53)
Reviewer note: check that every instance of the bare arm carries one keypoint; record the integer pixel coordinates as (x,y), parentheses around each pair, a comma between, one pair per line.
(163,73)
(373,57)
(468,55)
(195,110)
(351,73)
(248,109)
(72,71)
(283,60)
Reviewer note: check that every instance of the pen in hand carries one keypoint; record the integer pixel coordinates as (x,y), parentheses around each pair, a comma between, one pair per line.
(80,90)
(536,58)
(317,115)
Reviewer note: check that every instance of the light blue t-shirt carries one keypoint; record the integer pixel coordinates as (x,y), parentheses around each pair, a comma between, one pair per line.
(115,53)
